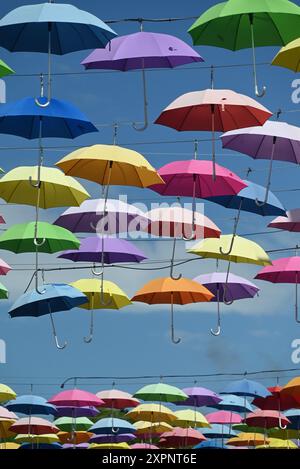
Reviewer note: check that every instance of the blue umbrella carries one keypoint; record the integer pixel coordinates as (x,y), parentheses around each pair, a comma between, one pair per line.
(294,417)
(246,387)
(53,29)
(218,431)
(31,405)
(111,425)
(56,297)
(234,403)
(211,444)
(41,446)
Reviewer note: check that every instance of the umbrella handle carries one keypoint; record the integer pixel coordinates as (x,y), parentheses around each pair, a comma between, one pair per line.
(225,288)
(193,236)
(102,300)
(43,105)
(33,184)
(146,120)
(268,185)
(230,248)
(96,273)
(89,339)
(60,347)
(296,304)
(37,243)
(236,222)
(259,94)
(217,332)
(173,338)
(213,141)
(173,277)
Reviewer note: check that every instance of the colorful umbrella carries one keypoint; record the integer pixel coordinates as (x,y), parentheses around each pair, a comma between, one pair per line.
(74,438)
(76,398)
(69,424)
(248,439)
(272,141)
(110,446)
(71,411)
(200,397)
(140,51)
(246,387)
(112,426)
(276,401)
(101,294)
(152,413)
(288,56)
(234,403)
(143,446)
(115,399)
(276,443)
(234,287)
(223,417)
(294,417)
(160,392)
(180,438)
(290,222)
(6,414)
(147,429)
(9,445)
(4,267)
(218,431)
(34,425)
(284,270)
(169,291)
(111,438)
(30,405)
(240,24)
(79,446)
(210,444)
(215,111)
(5,69)
(6,393)
(37,439)
(55,298)
(41,446)
(266,419)
(190,418)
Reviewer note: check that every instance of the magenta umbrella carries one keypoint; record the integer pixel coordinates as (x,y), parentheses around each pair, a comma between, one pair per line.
(76,398)
(140,51)
(224,417)
(143,446)
(284,270)
(289,223)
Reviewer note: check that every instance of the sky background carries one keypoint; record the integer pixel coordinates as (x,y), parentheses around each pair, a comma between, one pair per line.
(257,334)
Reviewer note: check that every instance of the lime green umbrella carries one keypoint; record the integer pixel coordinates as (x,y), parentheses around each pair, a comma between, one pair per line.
(3,292)
(243,24)
(161,392)
(5,69)
(69,424)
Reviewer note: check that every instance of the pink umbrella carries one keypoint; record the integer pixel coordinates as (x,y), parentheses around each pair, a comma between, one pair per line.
(33,425)
(6,414)
(284,270)
(181,437)
(213,110)
(289,223)
(177,222)
(266,419)
(76,398)
(223,417)
(116,399)
(4,267)
(143,446)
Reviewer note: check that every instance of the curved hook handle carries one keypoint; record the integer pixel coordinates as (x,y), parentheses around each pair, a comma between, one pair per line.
(173,277)
(192,238)
(146,120)
(217,332)
(89,339)
(115,430)
(282,427)
(43,105)
(34,184)
(230,248)
(260,94)
(60,347)
(173,338)
(37,243)
(40,292)
(261,204)
(96,273)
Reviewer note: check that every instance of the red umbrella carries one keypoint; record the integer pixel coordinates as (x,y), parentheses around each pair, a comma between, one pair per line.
(33,425)
(181,437)
(289,223)
(266,419)
(277,401)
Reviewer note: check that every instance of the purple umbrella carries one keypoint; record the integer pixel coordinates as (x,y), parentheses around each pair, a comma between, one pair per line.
(120,217)
(237,288)
(272,141)
(122,438)
(140,51)
(79,446)
(200,397)
(74,412)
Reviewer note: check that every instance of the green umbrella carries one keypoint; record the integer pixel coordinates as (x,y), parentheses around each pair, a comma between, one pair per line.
(161,392)
(243,24)
(3,292)
(5,69)
(69,424)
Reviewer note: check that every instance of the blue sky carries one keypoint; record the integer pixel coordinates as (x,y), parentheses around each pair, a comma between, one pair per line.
(257,334)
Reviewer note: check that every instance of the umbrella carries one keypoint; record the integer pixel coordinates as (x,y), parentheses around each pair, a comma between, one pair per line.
(213,110)
(6,393)
(120,217)
(272,141)
(240,24)
(288,56)
(223,417)
(248,439)
(284,270)
(246,387)
(192,178)
(3,292)
(112,426)
(35,425)
(160,392)
(218,431)
(111,438)
(9,445)
(5,429)
(55,298)
(79,446)
(152,413)
(290,222)
(140,51)
(115,399)
(71,411)
(37,439)
(6,414)
(30,405)
(68,424)
(199,397)
(180,438)
(5,69)
(276,401)
(234,403)
(53,29)
(178,222)
(76,398)
(41,446)
(169,291)
(101,294)
(143,446)
(237,288)
(147,429)
(276,443)
(190,418)
(74,438)
(266,419)
(110,446)
(250,200)
(210,444)
(294,417)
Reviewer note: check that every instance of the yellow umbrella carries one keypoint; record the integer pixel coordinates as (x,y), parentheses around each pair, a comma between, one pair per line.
(9,445)
(6,393)
(101,294)
(109,446)
(289,56)
(152,413)
(248,439)
(38,439)
(56,189)
(190,418)
(144,428)
(5,432)
(276,443)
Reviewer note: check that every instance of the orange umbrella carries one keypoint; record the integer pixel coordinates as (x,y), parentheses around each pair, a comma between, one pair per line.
(169,291)
(292,388)
(74,437)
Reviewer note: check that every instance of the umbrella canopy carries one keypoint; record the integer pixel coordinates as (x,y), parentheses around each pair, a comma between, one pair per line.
(169,291)
(4,268)
(290,222)
(26,29)
(59,119)
(111,438)
(110,446)
(145,429)
(56,189)
(211,444)
(276,401)
(266,419)
(115,250)
(112,425)
(9,445)
(20,238)
(218,431)
(115,399)
(152,413)
(40,446)
(3,292)
(6,414)
(190,418)
(234,403)
(294,417)
(71,411)
(160,392)
(76,398)
(74,438)
(199,397)
(223,417)
(120,217)
(143,446)
(248,439)
(276,443)
(68,424)
(292,388)
(37,439)
(5,429)
(79,446)
(5,69)
(35,425)
(30,405)
(110,164)
(246,387)
(181,437)
(6,393)
(288,56)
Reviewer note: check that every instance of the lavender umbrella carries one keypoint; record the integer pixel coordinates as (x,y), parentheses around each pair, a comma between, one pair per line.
(120,217)
(274,141)
(79,446)
(122,438)
(237,288)
(140,51)
(200,397)
(69,411)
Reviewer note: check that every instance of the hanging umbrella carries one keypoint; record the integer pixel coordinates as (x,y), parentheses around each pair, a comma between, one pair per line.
(169,291)
(41,446)
(9,445)
(236,288)
(240,24)
(145,430)
(288,56)
(294,417)
(74,438)
(284,270)
(190,418)
(210,444)
(199,397)
(110,446)
(111,438)
(7,414)
(223,417)
(30,405)
(112,426)
(5,69)
(5,429)
(79,446)
(272,141)
(276,443)
(266,419)
(53,29)
(3,292)
(234,403)
(68,424)
(248,439)
(4,269)
(276,401)
(76,398)
(290,222)
(143,446)
(180,438)
(115,399)
(140,51)
(71,411)
(246,387)
(218,431)
(152,413)
(215,111)
(37,439)
(6,393)
(101,294)
(33,424)
(55,298)
(160,392)
(120,217)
